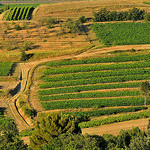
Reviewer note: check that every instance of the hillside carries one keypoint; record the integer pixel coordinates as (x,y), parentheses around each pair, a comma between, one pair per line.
(57,59)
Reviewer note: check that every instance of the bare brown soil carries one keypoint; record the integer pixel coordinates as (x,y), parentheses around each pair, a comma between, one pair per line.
(116,127)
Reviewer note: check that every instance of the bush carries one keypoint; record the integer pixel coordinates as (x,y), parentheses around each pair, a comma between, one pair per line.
(147,17)
(17,27)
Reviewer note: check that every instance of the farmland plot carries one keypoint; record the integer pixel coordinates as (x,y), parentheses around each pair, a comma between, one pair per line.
(91,85)
(123,33)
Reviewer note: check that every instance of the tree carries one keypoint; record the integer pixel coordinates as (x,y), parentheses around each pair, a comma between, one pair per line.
(140,143)
(145,90)
(136,14)
(9,136)
(51,126)
(24,56)
(75,142)
(147,16)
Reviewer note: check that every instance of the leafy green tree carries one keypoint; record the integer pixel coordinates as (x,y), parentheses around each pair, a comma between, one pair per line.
(136,14)
(24,56)
(9,136)
(51,126)
(74,26)
(75,142)
(140,143)
(145,90)
(147,16)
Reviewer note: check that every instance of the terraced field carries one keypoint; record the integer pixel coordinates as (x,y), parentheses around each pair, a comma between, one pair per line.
(86,87)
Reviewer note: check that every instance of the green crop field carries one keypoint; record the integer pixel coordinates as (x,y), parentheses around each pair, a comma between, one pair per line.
(20,13)
(5,68)
(79,84)
(123,33)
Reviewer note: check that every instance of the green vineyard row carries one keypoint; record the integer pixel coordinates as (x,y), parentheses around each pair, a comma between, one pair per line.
(110,120)
(94,103)
(96,68)
(101,112)
(87,75)
(95,81)
(20,13)
(102,60)
(87,88)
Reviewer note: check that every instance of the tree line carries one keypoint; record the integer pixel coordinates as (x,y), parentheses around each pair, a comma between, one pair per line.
(133,14)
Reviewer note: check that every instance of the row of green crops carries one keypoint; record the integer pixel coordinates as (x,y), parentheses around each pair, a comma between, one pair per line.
(95,81)
(94,103)
(20,13)
(89,95)
(101,60)
(96,68)
(87,75)
(110,120)
(101,112)
(5,68)
(88,88)
(20,5)
(123,33)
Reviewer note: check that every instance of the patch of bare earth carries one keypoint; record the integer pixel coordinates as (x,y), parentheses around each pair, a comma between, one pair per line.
(116,127)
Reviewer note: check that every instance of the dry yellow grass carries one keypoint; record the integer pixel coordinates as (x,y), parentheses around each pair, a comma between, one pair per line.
(77,9)
(116,127)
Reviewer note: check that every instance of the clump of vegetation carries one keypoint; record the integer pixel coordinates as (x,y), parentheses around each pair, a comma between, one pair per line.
(24,56)
(4,8)
(9,135)
(51,126)
(17,27)
(106,15)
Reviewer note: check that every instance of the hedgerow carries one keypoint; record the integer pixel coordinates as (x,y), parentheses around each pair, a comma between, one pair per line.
(101,60)
(110,120)
(97,103)
(87,88)
(86,75)
(95,81)
(101,112)
(96,68)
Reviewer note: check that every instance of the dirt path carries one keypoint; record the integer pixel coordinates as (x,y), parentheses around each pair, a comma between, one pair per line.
(95,52)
